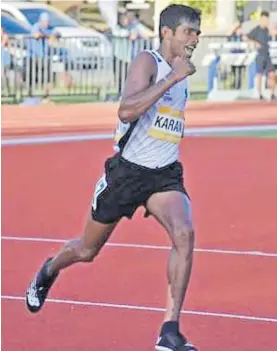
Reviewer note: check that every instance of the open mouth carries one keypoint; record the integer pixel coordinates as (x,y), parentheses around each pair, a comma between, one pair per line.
(189,50)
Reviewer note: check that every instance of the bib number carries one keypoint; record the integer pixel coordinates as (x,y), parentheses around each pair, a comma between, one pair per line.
(167,128)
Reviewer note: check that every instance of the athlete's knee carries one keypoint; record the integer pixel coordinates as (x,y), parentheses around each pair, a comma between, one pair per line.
(184,239)
(87,255)
(80,252)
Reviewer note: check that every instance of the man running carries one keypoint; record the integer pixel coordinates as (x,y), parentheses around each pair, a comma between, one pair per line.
(145,171)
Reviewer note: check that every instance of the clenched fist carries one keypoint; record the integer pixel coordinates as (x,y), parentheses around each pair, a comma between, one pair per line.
(182,67)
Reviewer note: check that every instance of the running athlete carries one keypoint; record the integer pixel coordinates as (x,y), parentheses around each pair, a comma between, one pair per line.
(145,171)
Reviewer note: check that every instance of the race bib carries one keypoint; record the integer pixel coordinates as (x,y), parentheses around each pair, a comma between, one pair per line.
(168,125)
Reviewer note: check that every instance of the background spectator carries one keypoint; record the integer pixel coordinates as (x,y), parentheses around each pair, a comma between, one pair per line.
(261,36)
(4,37)
(137,30)
(39,63)
(6,59)
(121,50)
(130,37)
(42,52)
(237,35)
(274,31)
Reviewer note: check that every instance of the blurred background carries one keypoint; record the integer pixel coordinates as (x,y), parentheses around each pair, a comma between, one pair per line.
(77,51)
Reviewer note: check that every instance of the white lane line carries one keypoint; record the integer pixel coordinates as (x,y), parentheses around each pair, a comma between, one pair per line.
(147,308)
(153,247)
(106,136)
(54,139)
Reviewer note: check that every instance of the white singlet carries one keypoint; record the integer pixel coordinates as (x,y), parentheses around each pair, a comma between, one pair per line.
(154,140)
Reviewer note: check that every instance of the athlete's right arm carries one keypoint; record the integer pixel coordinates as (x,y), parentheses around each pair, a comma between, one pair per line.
(139,95)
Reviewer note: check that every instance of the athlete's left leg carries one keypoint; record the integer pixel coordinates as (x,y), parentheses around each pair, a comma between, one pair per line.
(172,209)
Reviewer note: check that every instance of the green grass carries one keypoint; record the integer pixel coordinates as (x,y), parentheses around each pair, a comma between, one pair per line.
(75,99)
(252,134)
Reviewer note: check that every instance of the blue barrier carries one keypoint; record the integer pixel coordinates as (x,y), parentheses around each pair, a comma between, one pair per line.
(212,73)
(229,56)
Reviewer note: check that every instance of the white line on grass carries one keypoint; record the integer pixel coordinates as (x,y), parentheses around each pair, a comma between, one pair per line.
(95,136)
(148,308)
(140,246)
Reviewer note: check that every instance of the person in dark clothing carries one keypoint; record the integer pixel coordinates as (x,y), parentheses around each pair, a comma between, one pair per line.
(261,36)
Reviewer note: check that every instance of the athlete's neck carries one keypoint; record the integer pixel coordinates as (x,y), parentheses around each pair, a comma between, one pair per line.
(165,51)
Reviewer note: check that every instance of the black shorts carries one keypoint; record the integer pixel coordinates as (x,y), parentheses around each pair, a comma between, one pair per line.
(264,64)
(125,186)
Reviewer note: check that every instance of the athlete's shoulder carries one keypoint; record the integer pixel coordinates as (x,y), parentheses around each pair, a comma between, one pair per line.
(142,70)
(144,58)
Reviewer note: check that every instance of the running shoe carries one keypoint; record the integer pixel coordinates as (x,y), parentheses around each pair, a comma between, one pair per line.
(39,288)
(173,342)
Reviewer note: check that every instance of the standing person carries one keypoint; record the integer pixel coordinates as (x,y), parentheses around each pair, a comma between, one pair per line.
(40,63)
(145,171)
(140,36)
(122,56)
(126,46)
(6,59)
(138,30)
(261,36)
(237,35)
(274,31)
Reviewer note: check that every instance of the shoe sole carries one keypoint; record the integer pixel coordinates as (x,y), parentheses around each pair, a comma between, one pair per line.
(35,309)
(31,308)
(162,348)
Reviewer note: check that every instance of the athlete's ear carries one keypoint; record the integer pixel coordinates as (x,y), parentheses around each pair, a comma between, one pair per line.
(166,32)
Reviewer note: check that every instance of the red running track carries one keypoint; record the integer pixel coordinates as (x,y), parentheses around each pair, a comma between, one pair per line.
(45,194)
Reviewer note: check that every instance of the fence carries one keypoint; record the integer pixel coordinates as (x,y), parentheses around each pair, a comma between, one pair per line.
(81,66)
(232,70)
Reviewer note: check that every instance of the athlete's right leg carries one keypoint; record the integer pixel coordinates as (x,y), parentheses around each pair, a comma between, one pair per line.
(113,199)
(84,249)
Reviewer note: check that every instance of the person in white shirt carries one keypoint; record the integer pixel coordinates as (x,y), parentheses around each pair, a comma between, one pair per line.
(145,171)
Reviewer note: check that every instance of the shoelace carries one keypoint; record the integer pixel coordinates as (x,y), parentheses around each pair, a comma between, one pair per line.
(33,298)
(33,290)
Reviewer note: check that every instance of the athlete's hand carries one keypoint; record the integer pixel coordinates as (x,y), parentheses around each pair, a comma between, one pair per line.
(182,67)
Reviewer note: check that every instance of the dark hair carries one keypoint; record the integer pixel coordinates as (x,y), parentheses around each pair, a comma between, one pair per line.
(172,15)
(265,14)
(136,14)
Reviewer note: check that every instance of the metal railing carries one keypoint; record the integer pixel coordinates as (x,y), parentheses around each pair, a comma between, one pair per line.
(237,61)
(80,66)
(73,66)
(70,66)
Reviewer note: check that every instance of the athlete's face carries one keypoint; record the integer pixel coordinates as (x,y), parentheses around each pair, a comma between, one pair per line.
(185,39)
